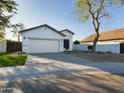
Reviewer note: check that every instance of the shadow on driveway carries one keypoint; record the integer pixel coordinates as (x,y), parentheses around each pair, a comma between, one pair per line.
(112,67)
(69,83)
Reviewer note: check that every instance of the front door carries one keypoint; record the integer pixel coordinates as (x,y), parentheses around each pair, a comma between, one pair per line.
(66,43)
(122,48)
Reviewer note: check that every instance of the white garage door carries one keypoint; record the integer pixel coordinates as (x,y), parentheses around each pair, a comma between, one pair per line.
(43,46)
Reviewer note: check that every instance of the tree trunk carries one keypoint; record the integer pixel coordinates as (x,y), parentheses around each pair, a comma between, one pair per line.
(95,42)
(96,27)
(18,39)
(18,36)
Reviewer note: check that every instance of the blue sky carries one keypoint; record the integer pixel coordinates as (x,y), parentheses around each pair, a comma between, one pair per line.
(60,15)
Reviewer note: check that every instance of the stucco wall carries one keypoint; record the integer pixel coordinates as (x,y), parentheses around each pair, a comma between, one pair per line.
(106,42)
(114,48)
(3,46)
(80,47)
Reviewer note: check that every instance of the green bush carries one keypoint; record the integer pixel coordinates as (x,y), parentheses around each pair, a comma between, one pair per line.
(76,42)
(9,60)
(90,47)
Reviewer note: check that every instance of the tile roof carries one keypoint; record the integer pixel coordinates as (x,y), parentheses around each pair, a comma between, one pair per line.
(117,34)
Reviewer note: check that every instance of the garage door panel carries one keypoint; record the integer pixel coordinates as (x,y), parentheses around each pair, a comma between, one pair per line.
(43,46)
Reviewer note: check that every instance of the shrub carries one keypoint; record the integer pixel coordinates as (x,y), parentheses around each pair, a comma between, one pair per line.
(90,47)
(76,42)
(12,60)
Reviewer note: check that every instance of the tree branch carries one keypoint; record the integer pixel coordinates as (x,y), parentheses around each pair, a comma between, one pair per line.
(103,16)
(100,7)
(90,8)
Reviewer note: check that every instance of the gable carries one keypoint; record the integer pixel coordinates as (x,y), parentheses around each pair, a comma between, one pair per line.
(42,32)
(66,30)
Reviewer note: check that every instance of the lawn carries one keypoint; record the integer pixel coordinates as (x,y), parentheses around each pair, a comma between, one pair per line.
(98,57)
(8,59)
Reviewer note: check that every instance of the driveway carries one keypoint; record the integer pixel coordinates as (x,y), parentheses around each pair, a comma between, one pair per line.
(113,67)
(56,63)
(45,64)
(60,73)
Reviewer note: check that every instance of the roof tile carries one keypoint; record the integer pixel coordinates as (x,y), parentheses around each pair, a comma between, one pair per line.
(116,34)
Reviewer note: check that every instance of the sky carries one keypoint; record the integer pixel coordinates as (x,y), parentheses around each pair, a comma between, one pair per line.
(60,15)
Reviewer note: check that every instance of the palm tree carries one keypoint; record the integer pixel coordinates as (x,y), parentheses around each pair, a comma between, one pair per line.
(8,5)
(7,9)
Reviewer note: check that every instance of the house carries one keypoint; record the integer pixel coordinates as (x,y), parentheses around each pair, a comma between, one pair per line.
(112,41)
(45,39)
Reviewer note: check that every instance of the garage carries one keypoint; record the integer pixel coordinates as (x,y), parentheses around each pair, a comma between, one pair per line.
(43,46)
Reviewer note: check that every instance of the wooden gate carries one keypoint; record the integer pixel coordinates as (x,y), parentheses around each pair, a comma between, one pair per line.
(14,46)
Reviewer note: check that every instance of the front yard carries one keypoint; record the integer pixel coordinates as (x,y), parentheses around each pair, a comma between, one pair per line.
(8,59)
(98,57)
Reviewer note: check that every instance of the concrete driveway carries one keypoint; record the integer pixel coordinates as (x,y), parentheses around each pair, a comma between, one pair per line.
(44,64)
(61,73)
(112,67)
(56,63)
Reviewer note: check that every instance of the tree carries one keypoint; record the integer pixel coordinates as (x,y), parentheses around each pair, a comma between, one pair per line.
(16,28)
(95,10)
(7,9)
(2,34)
(76,42)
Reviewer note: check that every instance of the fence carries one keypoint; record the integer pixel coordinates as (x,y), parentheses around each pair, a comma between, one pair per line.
(114,48)
(14,46)
(3,46)
(80,47)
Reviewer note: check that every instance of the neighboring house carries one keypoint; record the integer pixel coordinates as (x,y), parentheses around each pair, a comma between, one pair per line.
(2,45)
(45,39)
(113,40)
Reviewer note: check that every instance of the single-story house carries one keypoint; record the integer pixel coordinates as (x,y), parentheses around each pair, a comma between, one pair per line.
(111,39)
(46,39)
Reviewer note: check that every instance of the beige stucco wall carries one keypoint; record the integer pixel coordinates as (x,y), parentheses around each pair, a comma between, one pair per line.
(107,42)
